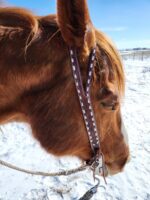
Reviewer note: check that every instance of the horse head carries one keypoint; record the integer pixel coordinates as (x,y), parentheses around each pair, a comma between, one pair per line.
(37,86)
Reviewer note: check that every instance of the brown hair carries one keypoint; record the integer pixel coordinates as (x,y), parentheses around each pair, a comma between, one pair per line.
(36,83)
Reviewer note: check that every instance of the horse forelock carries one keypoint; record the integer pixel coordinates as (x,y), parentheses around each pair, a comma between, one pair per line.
(114,60)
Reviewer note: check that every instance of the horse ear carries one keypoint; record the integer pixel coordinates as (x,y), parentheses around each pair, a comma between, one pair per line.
(74,21)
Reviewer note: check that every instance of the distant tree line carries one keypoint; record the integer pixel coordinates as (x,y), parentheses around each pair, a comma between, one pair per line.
(135,49)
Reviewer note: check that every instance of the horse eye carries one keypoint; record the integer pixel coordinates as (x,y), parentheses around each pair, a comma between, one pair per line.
(108,99)
(109,106)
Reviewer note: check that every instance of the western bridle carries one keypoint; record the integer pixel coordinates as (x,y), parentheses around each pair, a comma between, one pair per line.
(96,161)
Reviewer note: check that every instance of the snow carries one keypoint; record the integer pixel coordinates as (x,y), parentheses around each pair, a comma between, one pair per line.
(18,147)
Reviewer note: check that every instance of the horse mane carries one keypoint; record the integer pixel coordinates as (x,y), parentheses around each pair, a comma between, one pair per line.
(16,20)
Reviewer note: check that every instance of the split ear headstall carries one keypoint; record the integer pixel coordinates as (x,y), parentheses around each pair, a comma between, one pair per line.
(96,161)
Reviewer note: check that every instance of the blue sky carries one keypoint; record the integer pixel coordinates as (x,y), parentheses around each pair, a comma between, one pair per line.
(126,22)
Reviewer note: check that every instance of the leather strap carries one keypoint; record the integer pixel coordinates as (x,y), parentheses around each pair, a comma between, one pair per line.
(85,100)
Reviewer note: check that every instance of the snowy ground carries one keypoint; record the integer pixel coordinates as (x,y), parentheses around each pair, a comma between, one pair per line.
(18,147)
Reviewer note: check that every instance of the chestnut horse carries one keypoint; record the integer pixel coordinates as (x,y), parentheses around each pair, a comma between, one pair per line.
(37,85)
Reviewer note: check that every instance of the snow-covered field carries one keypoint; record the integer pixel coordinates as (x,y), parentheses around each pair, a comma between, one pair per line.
(18,147)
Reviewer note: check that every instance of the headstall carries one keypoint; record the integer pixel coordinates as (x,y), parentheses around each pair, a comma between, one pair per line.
(96,162)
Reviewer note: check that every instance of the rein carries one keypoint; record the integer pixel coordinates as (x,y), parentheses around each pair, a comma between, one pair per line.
(39,173)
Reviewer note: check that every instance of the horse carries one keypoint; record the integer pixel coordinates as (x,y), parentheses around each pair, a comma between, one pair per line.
(37,86)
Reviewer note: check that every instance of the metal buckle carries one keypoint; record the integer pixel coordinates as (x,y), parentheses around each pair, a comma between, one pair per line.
(98,166)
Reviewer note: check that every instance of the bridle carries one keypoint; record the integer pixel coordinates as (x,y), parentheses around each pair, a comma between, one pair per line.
(96,161)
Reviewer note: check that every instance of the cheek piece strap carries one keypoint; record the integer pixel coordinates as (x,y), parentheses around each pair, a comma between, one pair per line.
(96,162)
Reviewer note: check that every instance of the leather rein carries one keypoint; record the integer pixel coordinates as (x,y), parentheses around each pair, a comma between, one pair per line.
(97,161)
